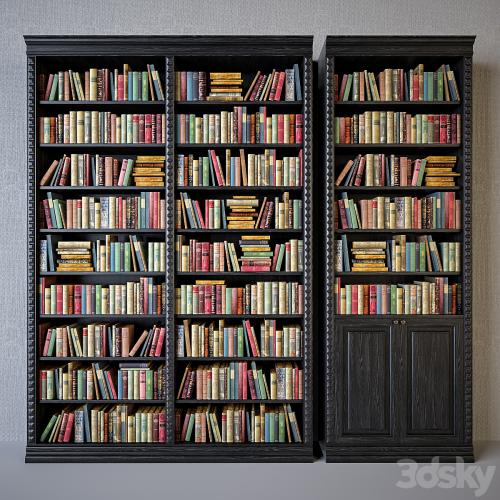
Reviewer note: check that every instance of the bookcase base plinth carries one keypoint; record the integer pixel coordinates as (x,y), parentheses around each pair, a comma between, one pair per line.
(170,453)
(372,454)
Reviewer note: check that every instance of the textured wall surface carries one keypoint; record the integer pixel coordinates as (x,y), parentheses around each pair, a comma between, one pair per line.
(318,18)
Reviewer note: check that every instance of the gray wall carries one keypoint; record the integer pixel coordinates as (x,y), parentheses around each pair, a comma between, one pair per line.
(318,18)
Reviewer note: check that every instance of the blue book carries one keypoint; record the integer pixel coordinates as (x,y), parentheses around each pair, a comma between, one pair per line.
(379,299)
(388,255)
(298,88)
(189,85)
(112,85)
(120,385)
(84,299)
(249,427)
(267,434)
(226,350)
(86,424)
(130,86)
(345,254)
(223,213)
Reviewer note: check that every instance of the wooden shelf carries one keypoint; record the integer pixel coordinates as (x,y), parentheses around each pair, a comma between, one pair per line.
(238,401)
(420,147)
(239,316)
(397,231)
(93,231)
(125,274)
(222,104)
(105,189)
(117,359)
(105,317)
(156,402)
(395,189)
(393,273)
(238,231)
(215,359)
(238,189)
(246,274)
(239,146)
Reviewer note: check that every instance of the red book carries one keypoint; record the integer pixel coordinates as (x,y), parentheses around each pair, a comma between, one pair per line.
(59,299)
(354,300)
(342,130)
(159,128)
(366,299)
(205,256)
(46,210)
(240,380)
(360,171)
(254,269)
(147,129)
(297,384)
(78,299)
(299,128)
(279,86)
(442,129)
(256,88)
(281,128)
(62,431)
(156,205)
(217,168)
(183,85)
(141,129)
(198,211)
(244,379)
(275,256)
(161,427)
(47,342)
(251,384)
(207,293)
(120,88)
(156,334)
(49,87)
(342,87)
(454,136)
(415,87)
(343,217)
(251,340)
(161,340)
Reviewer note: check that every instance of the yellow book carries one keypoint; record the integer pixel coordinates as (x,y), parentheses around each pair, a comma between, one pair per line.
(148,159)
(256,237)
(210,282)
(225,75)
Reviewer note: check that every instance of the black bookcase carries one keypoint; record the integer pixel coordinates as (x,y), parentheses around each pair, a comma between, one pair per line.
(396,385)
(247,54)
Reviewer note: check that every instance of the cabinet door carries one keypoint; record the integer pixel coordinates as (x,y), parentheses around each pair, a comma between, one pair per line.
(433,387)
(364,372)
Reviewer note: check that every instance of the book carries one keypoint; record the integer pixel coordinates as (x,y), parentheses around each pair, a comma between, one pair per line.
(440,210)
(102,127)
(254,169)
(241,380)
(398,127)
(239,127)
(437,295)
(236,423)
(145,210)
(133,297)
(104,84)
(263,297)
(398,84)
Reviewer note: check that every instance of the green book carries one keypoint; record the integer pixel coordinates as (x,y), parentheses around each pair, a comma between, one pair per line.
(206,172)
(52,343)
(440,84)
(422,256)
(135,85)
(281,254)
(98,302)
(79,384)
(337,130)
(394,299)
(128,172)
(192,128)
(240,342)
(48,428)
(127,261)
(297,211)
(145,87)
(430,86)
(347,89)
(281,427)
(53,89)
(412,257)
(149,384)
(228,300)
(257,254)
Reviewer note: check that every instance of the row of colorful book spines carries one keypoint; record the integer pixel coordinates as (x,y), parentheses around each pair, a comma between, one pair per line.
(146,211)
(382,170)
(98,127)
(407,256)
(396,84)
(286,214)
(235,424)
(120,256)
(389,127)
(438,297)
(260,298)
(101,85)
(131,298)
(95,170)
(200,256)
(108,424)
(241,128)
(192,86)
(235,380)
(101,341)
(237,341)
(435,211)
(257,170)
(103,384)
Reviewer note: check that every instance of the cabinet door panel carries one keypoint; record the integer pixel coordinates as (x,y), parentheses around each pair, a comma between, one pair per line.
(364,381)
(434,378)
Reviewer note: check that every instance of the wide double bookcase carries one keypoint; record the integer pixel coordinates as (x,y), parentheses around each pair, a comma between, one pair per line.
(397,323)
(169,248)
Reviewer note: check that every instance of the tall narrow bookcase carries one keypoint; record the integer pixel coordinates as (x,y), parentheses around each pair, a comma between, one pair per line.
(169,54)
(398,382)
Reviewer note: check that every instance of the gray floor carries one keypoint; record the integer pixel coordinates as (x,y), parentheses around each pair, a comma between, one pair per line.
(19,481)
